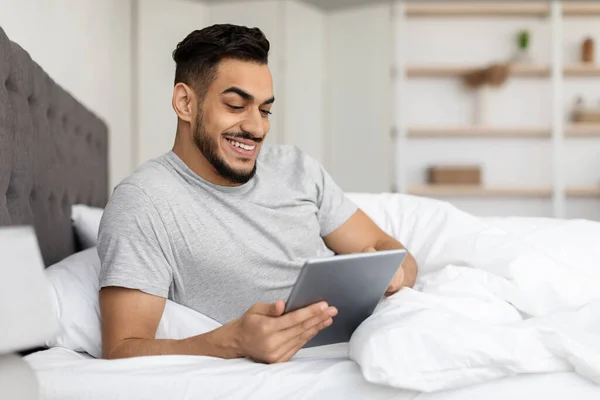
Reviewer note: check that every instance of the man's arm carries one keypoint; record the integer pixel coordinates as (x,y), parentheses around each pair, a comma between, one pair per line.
(130,319)
(129,322)
(359,233)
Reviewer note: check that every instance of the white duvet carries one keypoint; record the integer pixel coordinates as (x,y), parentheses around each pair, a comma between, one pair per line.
(490,301)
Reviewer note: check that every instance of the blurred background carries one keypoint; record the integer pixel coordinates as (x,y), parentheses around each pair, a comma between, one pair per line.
(493,106)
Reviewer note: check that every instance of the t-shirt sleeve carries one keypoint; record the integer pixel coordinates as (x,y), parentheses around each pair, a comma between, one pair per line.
(133,244)
(334,207)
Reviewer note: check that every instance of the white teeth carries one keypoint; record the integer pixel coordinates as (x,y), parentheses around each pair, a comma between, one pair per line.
(241,145)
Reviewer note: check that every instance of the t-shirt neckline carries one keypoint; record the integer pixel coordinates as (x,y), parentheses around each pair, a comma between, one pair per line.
(180,164)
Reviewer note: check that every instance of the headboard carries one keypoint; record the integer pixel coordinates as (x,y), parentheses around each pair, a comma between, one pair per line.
(53,153)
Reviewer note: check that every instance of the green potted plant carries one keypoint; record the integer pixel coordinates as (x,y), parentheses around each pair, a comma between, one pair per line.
(523,40)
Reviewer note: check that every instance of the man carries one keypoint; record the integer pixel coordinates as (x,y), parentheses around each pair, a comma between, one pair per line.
(221,224)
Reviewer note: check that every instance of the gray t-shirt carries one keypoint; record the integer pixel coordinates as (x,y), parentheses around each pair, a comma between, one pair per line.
(218,250)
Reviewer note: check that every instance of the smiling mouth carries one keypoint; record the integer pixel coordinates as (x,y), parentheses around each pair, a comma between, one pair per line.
(241,145)
(246,150)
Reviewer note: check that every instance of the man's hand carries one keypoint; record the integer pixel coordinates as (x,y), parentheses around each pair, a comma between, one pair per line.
(359,234)
(397,282)
(264,334)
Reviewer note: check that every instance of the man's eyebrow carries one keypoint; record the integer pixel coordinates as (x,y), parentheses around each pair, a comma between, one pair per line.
(245,95)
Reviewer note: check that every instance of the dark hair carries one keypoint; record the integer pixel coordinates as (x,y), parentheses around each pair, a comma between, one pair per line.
(198,55)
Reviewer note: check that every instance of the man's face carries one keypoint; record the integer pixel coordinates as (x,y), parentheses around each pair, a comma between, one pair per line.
(233,119)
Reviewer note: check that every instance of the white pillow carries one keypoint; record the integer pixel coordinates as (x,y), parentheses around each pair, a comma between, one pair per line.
(75,285)
(427,227)
(86,221)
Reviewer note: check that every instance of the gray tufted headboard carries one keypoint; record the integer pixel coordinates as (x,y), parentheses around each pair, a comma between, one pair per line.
(53,153)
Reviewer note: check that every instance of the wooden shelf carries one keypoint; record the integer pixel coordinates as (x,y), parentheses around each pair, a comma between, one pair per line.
(582,130)
(497,8)
(525,70)
(583,191)
(581,8)
(573,130)
(582,70)
(517,70)
(479,191)
(476,131)
(499,191)
(476,9)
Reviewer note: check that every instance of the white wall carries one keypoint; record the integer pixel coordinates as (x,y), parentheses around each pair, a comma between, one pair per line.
(269,17)
(161,25)
(304,72)
(85,46)
(359,58)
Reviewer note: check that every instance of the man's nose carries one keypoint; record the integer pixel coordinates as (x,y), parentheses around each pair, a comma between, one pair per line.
(254,124)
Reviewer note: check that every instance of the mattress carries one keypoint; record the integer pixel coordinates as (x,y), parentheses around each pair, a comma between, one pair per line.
(64,374)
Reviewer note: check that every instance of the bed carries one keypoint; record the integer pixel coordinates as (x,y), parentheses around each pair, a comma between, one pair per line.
(53,154)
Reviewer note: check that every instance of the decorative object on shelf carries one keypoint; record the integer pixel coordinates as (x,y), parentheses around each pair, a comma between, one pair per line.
(494,75)
(523,44)
(454,175)
(485,81)
(587,51)
(582,114)
(577,108)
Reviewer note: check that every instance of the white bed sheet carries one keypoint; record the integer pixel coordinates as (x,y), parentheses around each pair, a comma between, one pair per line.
(64,374)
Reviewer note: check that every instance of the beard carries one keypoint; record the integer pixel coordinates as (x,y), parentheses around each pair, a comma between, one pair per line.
(210,149)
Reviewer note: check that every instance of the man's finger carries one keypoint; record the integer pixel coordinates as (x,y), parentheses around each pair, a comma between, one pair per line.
(278,308)
(396,283)
(299,316)
(270,309)
(400,277)
(296,330)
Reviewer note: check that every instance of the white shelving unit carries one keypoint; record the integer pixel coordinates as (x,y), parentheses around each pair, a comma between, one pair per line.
(558,132)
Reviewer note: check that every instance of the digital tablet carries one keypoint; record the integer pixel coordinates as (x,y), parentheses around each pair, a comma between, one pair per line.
(353,283)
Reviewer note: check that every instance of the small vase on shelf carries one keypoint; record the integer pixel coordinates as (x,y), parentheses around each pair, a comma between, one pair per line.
(587,51)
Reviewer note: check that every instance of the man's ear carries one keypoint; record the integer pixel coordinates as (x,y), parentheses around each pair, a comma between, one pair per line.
(184,100)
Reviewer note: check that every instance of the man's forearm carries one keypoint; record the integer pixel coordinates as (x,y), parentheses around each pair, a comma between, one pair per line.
(409,265)
(218,343)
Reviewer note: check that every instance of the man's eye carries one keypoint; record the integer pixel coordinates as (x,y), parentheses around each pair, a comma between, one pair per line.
(235,107)
(266,112)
